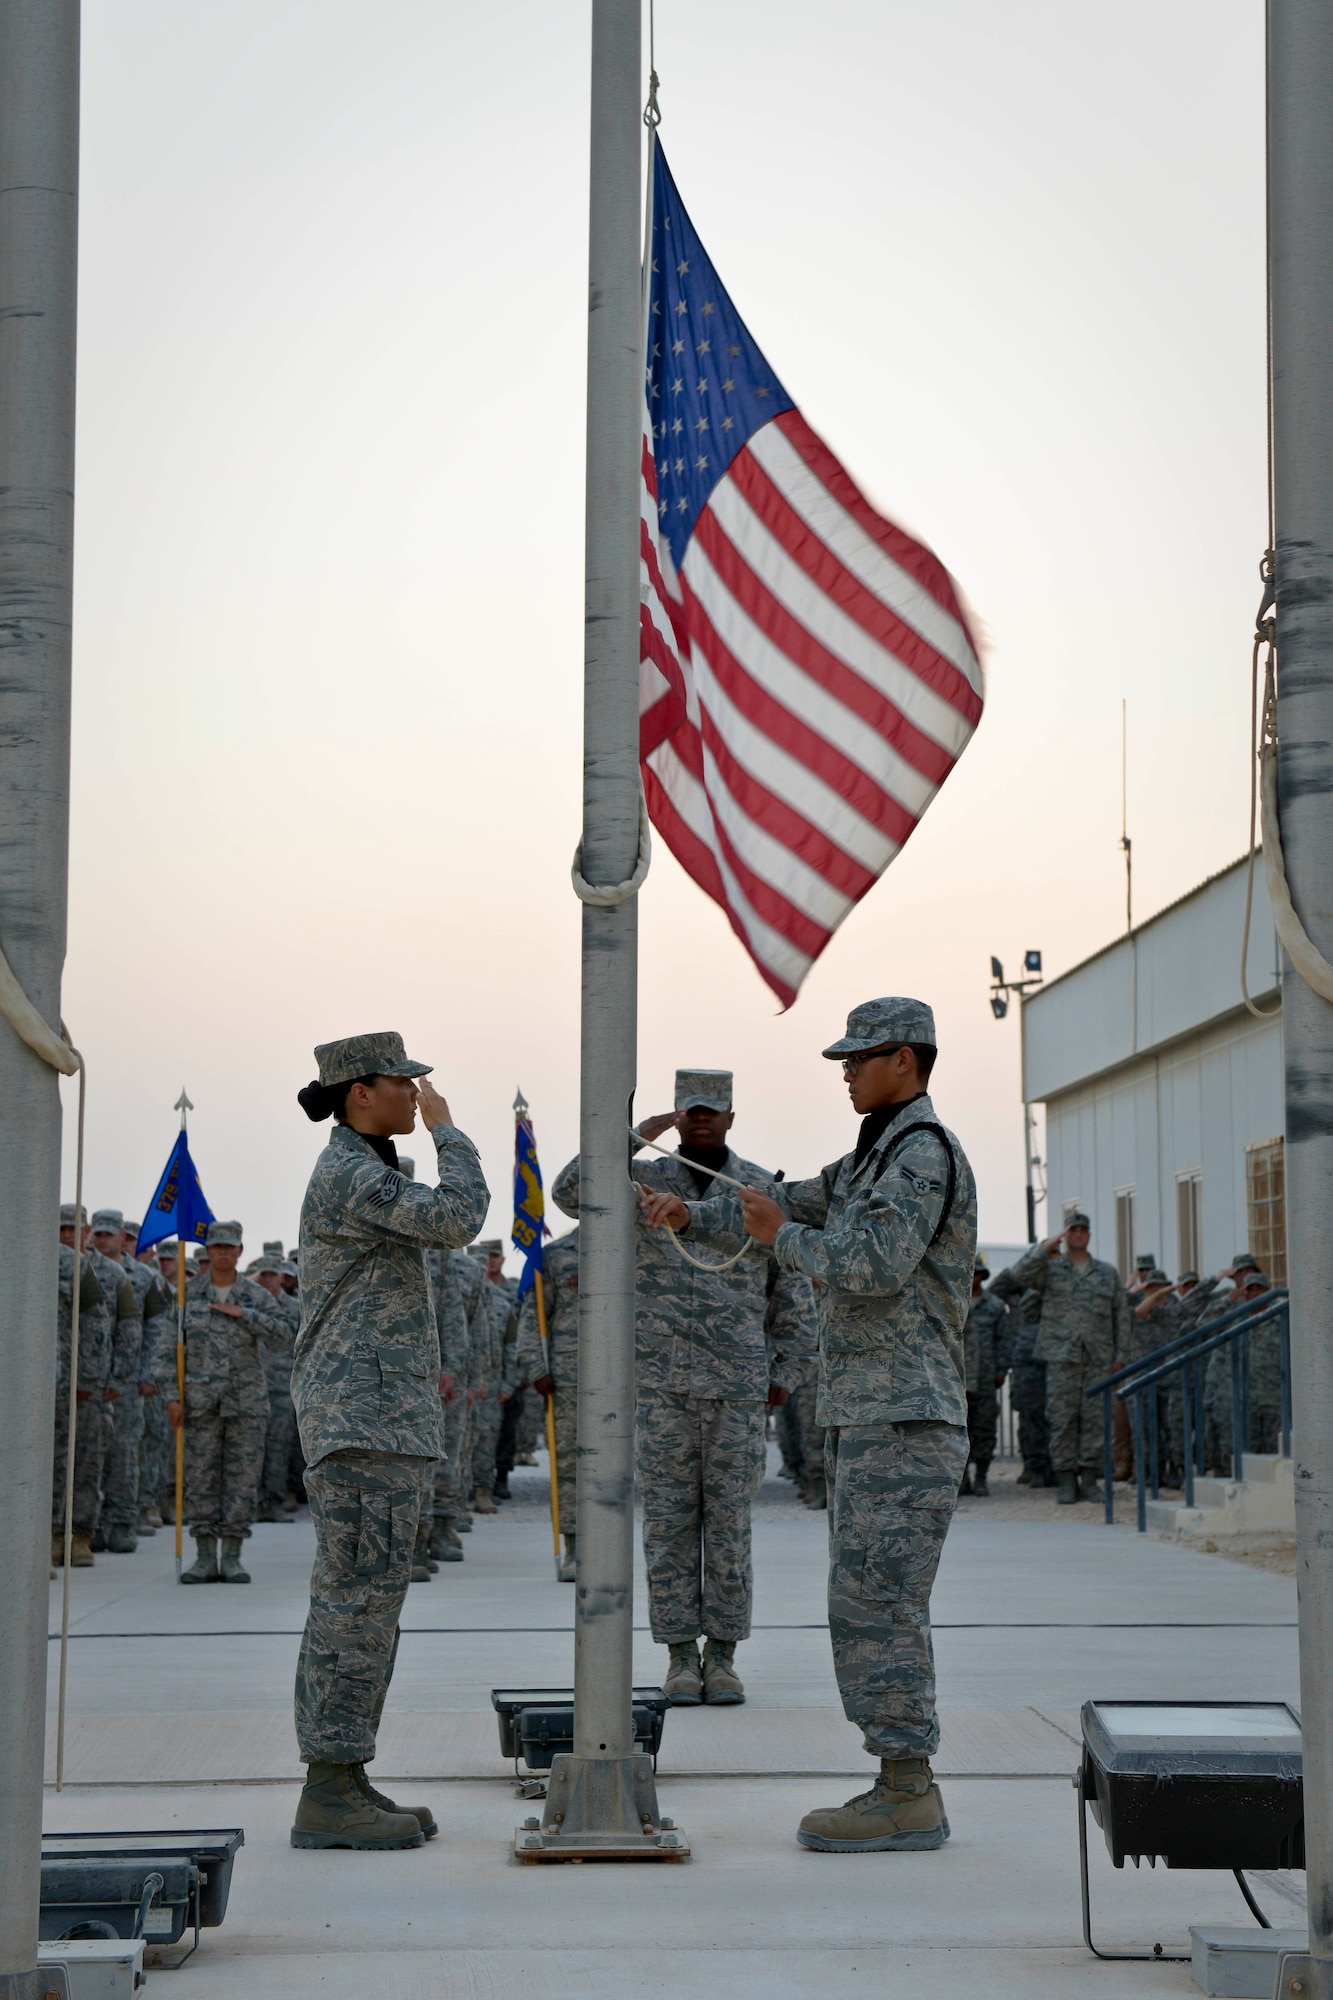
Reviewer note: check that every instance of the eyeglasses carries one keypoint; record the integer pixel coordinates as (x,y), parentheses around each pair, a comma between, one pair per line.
(851,1064)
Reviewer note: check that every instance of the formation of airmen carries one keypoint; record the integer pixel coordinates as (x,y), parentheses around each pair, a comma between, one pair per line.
(1059,1319)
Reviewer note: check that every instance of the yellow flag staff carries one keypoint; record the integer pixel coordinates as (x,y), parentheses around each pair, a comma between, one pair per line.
(527,1233)
(178,1209)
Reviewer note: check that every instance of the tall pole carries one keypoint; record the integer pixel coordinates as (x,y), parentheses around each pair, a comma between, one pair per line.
(1300,197)
(602,1799)
(39,151)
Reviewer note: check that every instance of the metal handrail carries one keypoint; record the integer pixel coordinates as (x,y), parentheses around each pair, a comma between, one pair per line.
(1184,1355)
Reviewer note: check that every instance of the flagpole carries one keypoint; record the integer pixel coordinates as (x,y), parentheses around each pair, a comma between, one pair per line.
(550,1421)
(183,1105)
(601,1798)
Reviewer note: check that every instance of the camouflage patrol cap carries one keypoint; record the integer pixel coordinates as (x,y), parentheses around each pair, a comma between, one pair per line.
(110,1220)
(1188,1278)
(166,1248)
(1145,1261)
(272,1247)
(709,1087)
(1076,1219)
(365,1055)
(1157,1277)
(265,1264)
(132,1229)
(67,1215)
(1256,1277)
(225,1232)
(492,1247)
(876,1024)
(1243,1261)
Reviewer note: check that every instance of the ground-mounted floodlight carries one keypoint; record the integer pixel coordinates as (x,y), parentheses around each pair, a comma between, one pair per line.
(1203,1784)
(537,1724)
(153,1886)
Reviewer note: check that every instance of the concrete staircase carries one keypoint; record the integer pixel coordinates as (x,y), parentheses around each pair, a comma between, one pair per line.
(1262,1502)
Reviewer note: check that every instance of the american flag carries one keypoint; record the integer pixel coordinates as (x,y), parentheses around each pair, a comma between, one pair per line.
(807,677)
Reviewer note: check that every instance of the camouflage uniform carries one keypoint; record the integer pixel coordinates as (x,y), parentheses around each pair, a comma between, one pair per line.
(1147,1331)
(121,1506)
(159,1333)
(707,1345)
(893,1257)
(482,1360)
(1265,1396)
(560,1293)
(226,1401)
(987,1340)
(1082,1336)
(280,1434)
(119,1343)
(366,1384)
(94,1362)
(449,1501)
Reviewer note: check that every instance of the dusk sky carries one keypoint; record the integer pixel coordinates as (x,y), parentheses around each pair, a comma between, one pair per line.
(1007,255)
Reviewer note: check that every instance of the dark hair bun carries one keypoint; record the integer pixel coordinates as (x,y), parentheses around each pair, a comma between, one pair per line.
(316,1101)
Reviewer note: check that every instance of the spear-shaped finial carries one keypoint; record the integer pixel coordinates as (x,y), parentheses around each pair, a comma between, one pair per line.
(182,1105)
(520,1105)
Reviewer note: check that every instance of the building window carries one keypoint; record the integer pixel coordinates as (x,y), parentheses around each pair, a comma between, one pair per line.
(1266,1207)
(1189,1219)
(1126,1204)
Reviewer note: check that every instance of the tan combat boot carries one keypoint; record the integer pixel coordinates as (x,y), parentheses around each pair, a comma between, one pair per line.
(333,1811)
(204,1568)
(423,1815)
(482,1503)
(684,1683)
(722,1684)
(903,1810)
(81,1552)
(230,1565)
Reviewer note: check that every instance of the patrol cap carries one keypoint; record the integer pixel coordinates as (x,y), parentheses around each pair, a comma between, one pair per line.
(1077,1220)
(877,1023)
(110,1219)
(1145,1261)
(67,1215)
(132,1229)
(289,1269)
(272,1248)
(365,1055)
(225,1232)
(709,1087)
(263,1264)
(165,1249)
(1257,1277)
(1158,1277)
(1188,1278)
(1243,1261)
(491,1247)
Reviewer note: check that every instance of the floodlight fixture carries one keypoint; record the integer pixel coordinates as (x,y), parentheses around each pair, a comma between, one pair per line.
(1032,961)
(996,970)
(999,1006)
(1201,1784)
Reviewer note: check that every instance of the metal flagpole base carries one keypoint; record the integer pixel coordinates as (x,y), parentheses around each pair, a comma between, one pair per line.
(1301,1977)
(601,1809)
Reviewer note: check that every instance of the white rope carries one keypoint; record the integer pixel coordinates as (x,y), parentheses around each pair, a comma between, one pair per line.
(718,1175)
(1308,960)
(56,1050)
(1300,948)
(613,894)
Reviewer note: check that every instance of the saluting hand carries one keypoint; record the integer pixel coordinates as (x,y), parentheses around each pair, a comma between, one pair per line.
(434,1111)
(661,1121)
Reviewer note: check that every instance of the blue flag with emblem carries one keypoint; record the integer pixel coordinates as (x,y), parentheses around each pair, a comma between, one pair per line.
(178,1208)
(529,1201)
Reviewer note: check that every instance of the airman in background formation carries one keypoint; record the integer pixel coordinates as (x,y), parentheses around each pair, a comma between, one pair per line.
(555,1373)
(1082,1335)
(987,1340)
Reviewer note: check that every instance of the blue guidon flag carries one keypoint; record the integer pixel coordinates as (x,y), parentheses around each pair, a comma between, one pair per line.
(178,1208)
(529,1200)
(808,679)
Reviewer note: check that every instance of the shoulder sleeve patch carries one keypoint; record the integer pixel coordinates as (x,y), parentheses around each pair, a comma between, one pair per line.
(388,1191)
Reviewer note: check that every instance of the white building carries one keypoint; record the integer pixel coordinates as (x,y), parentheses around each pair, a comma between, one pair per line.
(1163,1094)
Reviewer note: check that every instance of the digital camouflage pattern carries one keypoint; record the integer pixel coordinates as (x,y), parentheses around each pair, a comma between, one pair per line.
(709,1334)
(226,1401)
(892,1489)
(452,1327)
(987,1344)
(90,1428)
(560,1289)
(1083,1333)
(700,1463)
(129,1413)
(365,1506)
(892,1297)
(366,1369)
(1085,1311)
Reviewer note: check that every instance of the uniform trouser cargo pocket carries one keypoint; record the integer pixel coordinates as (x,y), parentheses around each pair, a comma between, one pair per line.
(365,1507)
(892,1489)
